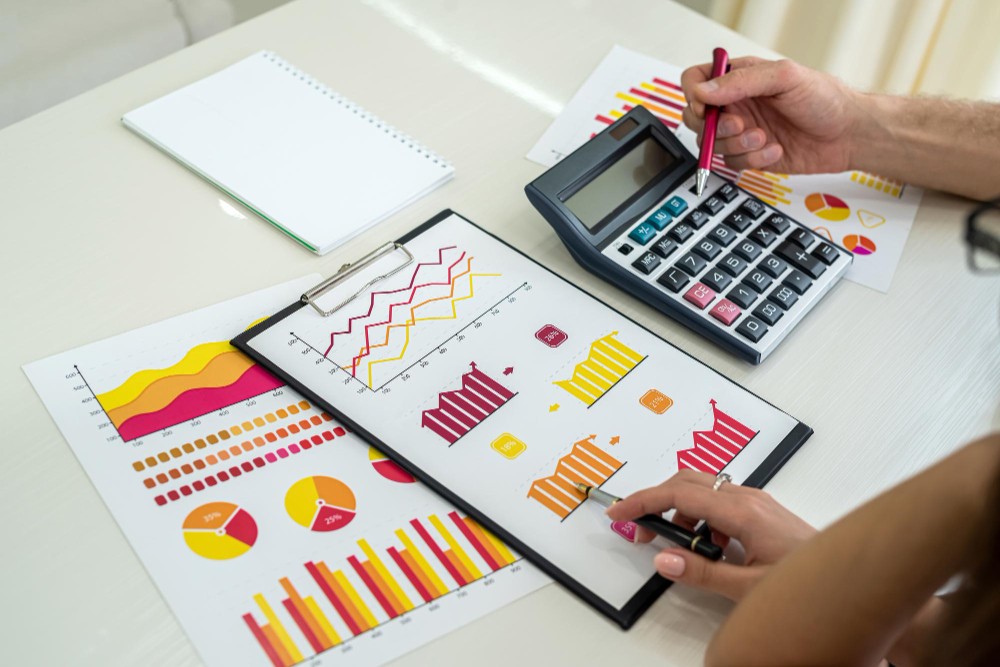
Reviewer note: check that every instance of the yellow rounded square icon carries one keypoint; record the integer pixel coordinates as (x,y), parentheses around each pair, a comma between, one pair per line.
(656,401)
(508,446)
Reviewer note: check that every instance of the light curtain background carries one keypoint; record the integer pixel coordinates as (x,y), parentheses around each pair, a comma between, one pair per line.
(935,47)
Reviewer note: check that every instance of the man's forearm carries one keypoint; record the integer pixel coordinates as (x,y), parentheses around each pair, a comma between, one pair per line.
(932,142)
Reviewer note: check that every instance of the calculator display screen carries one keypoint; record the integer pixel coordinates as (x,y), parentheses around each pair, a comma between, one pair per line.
(592,203)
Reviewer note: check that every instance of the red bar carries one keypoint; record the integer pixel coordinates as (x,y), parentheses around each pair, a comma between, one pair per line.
(656,98)
(713,448)
(669,123)
(303,626)
(603,119)
(459,579)
(474,541)
(685,459)
(410,574)
(337,604)
(262,640)
(668,84)
(448,404)
(491,383)
(732,423)
(477,407)
(427,422)
(372,586)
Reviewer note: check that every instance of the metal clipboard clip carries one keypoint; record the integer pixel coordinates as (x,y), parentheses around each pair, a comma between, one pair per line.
(348,270)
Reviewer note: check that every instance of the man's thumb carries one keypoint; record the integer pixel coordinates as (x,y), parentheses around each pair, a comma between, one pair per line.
(690,569)
(760,80)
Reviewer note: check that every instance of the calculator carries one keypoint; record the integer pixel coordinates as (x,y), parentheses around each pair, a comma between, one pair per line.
(725,264)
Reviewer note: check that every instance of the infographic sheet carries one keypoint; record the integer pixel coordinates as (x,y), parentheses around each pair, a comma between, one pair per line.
(275,535)
(869,215)
(505,384)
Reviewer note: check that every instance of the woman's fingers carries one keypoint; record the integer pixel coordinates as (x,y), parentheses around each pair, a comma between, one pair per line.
(732,581)
(690,495)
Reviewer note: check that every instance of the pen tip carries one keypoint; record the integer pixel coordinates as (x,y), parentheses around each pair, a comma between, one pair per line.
(582,488)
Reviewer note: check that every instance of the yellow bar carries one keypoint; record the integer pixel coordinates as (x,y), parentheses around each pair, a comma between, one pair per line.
(576,391)
(276,645)
(278,628)
(501,547)
(595,364)
(322,620)
(614,113)
(587,369)
(649,105)
(895,192)
(384,573)
(419,557)
(623,348)
(366,613)
(459,552)
(854,176)
(608,346)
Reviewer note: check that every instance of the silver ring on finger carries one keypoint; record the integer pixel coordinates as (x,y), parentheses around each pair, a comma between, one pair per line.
(721,479)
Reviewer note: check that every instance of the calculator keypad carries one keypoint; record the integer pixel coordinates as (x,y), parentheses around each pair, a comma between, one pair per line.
(750,274)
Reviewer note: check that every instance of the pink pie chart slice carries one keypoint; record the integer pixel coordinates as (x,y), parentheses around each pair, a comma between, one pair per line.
(329,518)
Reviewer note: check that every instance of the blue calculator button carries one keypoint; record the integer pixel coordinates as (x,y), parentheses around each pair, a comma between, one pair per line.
(643,234)
(660,219)
(676,205)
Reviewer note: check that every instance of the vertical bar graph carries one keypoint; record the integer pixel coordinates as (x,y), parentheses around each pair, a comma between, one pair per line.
(586,464)
(608,361)
(460,411)
(390,583)
(879,183)
(714,449)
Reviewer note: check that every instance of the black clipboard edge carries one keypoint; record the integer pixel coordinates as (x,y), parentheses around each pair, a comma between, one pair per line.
(654,587)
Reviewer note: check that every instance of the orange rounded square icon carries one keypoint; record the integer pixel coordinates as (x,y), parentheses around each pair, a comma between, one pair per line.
(656,401)
(508,446)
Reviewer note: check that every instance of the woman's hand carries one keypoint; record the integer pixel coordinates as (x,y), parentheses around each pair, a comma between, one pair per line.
(766,530)
(778,115)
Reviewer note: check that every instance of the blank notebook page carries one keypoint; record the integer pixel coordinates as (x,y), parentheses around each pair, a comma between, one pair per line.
(308,160)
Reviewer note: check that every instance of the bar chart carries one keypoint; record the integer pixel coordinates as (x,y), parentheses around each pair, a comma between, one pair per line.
(714,449)
(585,464)
(608,361)
(461,410)
(424,564)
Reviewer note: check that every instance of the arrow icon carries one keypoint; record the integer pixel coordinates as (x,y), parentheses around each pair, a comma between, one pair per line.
(553,407)
(614,440)
(508,370)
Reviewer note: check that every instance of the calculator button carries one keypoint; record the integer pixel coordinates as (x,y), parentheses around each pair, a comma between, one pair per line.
(768,312)
(727,192)
(763,236)
(753,208)
(795,255)
(673,279)
(697,218)
(738,221)
(779,222)
(758,280)
(751,328)
(681,232)
(692,263)
(797,281)
(783,296)
(647,263)
(742,296)
(802,237)
(624,248)
(717,280)
(700,295)
(676,205)
(707,249)
(722,234)
(725,311)
(713,205)
(773,265)
(643,234)
(826,253)
(748,250)
(733,265)
(660,219)
(664,247)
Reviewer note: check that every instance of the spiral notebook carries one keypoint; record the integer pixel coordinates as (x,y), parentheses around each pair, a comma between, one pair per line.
(311,162)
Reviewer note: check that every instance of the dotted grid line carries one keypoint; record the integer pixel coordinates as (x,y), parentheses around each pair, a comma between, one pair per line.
(250,466)
(200,443)
(235,450)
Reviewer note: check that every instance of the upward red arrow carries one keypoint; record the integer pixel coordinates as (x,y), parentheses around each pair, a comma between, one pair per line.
(508,370)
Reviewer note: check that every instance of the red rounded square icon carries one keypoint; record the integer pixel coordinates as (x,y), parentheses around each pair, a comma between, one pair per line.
(551,335)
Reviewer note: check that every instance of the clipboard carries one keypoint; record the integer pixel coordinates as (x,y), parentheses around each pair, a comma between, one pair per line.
(757,464)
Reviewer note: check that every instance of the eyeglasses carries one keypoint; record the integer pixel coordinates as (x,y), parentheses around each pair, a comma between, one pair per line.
(982,233)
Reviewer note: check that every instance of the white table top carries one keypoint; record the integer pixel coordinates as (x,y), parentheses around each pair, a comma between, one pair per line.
(103,234)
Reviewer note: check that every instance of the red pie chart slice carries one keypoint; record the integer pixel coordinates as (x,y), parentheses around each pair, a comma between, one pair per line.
(827,206)
(220,531)
(320,503)
(329,518)
(387,468)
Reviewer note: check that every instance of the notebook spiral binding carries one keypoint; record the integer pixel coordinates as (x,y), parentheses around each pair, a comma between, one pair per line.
(358,109)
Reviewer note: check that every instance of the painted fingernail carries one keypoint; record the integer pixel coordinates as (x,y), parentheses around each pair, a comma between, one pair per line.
(707,86)
(772,153)
(669,565)
(751,140)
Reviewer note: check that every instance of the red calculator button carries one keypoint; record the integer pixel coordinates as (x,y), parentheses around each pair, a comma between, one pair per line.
(725,311)
(700,295)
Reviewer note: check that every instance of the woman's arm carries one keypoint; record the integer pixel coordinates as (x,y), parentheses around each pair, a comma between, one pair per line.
(848,595)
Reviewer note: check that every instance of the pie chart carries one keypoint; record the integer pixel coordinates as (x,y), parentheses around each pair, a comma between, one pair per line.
(320,503)
(387,468)
(828,207)
(220,531)
(859,245)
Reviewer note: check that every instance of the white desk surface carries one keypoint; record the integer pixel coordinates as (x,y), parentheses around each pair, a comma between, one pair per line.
(102,234)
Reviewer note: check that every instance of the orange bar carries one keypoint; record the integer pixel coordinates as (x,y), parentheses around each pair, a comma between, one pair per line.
(652,107)
(602,468)
(477,531)
(419,573)
(571,463)
(769,197)
(278,646)
(601,454)
(548,502)
(342,596)
(383,586)
(307,616)
(457,564)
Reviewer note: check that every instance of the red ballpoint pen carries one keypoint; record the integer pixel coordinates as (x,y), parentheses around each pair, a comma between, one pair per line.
(720,63)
